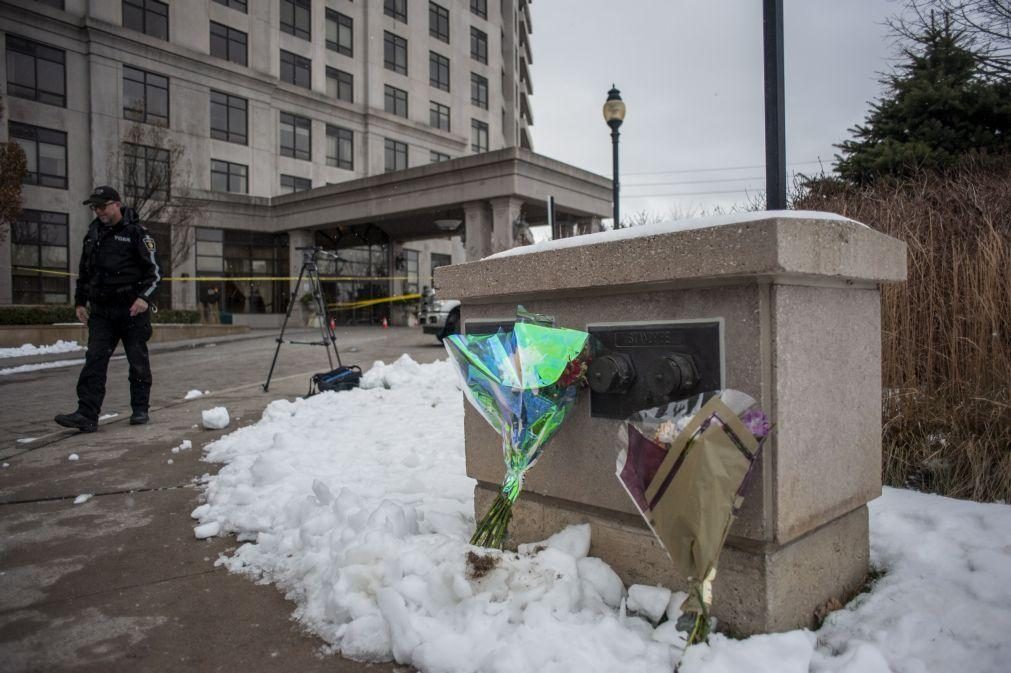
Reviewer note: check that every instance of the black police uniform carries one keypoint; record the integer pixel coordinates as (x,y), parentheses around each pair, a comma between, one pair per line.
(118,265)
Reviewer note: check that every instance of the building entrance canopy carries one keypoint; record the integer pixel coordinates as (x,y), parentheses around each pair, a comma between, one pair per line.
(485,192)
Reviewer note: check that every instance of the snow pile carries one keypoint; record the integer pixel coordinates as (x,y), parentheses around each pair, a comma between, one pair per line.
(357,506)
(660,228)
(83,498)
(73,457)
(186,445)
(55,364)
(194,394)
(215,419)
(60,346)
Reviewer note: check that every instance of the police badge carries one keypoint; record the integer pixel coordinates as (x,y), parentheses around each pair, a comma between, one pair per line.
(149,243)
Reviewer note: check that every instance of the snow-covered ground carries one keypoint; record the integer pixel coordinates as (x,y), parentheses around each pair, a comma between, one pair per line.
(55,364)
(60,346)
(356,505)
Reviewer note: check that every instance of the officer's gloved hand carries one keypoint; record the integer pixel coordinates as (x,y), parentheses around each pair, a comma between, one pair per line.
(82,314)
(138,307)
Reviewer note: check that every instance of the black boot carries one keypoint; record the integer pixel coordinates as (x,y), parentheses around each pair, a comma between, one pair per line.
(139,417)
(77,420)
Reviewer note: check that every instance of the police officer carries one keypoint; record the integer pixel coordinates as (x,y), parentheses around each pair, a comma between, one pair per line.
(118,275)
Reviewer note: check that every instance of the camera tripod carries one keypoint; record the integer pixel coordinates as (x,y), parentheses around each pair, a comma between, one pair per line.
(328,339)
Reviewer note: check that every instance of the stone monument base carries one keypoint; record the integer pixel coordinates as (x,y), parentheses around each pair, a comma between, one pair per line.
(759,587)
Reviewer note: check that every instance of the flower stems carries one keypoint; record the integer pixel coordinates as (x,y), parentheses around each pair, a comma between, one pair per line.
(493,529)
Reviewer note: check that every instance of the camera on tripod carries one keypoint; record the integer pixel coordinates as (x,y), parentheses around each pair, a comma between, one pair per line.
(341,378)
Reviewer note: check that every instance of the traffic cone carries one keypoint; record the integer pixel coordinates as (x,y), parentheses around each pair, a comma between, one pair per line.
(386,323)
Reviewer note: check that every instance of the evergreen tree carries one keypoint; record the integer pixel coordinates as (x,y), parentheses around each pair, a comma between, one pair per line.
(939,106)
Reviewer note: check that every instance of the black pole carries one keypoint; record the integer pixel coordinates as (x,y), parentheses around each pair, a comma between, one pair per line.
(615,188)
(775,118)
(614,115)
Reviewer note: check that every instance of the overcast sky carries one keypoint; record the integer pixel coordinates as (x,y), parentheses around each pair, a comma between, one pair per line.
(690,73)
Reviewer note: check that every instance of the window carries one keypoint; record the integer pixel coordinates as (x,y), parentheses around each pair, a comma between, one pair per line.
(437,158)
(209,249)
(396,155)
(296,136)
(438,116)
(395,53)
(438,71)
(295,18)
(395,100)
(479,90)
(145,96)
(229,177)
(46,152)
(396,8)
(228,43)
(438,22)
(234,4)
(479,7)
(296,70)
(478,136)
(340,147)
(147,173)
(147,16)
(36,72)
(39,244)
(478,45)
(339,33)
(410,270)
(339,85)
(291,184)
(439,259)
(245,255)
(228,118)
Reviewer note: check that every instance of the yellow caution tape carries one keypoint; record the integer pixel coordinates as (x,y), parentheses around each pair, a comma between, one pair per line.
(351,305)
(222,279)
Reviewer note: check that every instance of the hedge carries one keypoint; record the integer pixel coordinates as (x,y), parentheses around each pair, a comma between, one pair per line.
(47,315)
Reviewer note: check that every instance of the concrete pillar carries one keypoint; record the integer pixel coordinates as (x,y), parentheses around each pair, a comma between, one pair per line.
(504,212)
(298,238)
(797,301)
(477,224)
(184,293)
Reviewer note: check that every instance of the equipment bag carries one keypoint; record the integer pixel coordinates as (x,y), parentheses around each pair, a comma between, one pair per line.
(342,378)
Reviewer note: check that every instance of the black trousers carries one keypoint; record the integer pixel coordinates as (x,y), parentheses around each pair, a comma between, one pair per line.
(108,324)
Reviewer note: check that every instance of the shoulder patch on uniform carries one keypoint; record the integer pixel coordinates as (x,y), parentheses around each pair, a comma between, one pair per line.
(149,243)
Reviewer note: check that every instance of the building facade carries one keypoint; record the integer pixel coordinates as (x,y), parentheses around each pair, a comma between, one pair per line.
(227,106)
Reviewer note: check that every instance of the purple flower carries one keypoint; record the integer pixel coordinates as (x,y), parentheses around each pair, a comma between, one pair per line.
(757,422)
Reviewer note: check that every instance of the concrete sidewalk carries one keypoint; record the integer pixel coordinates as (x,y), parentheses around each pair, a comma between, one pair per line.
(119,583)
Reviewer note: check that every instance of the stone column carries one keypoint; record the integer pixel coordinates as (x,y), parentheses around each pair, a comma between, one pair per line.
(184,293)
(477,222)
(504,211)
(797,301)
(298,238)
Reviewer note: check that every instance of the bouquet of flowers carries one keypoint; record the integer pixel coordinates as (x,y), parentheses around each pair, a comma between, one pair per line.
(686,466)
(523,383)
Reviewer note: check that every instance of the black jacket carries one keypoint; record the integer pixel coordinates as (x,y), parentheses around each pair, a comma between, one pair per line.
(118,263)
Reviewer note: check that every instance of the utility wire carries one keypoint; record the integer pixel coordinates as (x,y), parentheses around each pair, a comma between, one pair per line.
(723,191)
(692,182)
(724,168)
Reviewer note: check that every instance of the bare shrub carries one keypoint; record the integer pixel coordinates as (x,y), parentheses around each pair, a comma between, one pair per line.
(946,342)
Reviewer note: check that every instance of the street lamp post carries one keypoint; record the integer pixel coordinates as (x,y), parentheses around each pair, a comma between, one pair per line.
(614,114)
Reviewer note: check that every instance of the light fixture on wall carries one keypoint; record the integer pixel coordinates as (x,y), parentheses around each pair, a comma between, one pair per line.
(448,225)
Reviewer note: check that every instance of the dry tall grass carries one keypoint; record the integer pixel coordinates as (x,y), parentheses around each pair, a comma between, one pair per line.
(947,331)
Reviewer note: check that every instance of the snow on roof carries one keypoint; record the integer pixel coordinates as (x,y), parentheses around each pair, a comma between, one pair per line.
(669,227)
